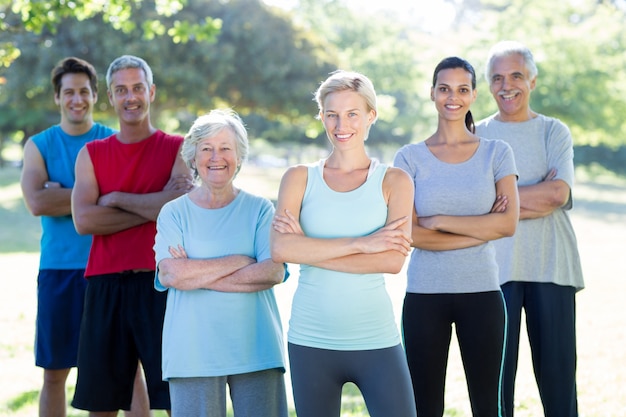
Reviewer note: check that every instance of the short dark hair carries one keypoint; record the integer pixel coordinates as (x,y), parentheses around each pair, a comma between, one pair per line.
(72,65)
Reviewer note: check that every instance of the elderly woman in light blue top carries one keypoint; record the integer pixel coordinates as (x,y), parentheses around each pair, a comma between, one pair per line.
(222,325)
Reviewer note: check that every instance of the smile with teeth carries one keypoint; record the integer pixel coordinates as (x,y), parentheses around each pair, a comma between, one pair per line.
(343,136)
(509,95)
(453,106)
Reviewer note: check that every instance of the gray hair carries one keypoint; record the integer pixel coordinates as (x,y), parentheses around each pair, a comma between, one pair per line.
(129,61)
(508,48)
(211,124)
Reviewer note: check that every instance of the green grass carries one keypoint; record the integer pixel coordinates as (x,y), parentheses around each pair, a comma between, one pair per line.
(22,401)
(19,231)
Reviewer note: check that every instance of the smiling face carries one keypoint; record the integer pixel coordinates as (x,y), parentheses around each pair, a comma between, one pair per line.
(346,118)
(453,94)
(76,100)
(131,95)
(216,159)
(510,84)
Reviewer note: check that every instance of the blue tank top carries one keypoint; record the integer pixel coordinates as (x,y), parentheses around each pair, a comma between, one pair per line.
(61,246)
(337,310)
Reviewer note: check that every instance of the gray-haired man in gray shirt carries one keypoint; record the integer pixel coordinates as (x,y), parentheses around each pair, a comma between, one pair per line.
(540,268)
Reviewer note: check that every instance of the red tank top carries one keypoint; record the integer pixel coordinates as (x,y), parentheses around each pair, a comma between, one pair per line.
(138,168)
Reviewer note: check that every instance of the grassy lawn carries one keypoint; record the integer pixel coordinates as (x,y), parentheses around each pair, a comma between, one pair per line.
(599,217)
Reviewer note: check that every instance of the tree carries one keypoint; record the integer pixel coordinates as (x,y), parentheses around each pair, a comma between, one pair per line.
(578,47)
(268,78)
(19,16)
(267,62)
(389,52)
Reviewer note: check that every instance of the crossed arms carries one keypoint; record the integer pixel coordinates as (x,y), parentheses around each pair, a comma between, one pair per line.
(234,273)
(110,213)
(382,251)
(442,232)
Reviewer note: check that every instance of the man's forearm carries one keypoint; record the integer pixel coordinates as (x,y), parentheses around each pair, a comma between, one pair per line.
(146,206)
(53,201)
(105,220)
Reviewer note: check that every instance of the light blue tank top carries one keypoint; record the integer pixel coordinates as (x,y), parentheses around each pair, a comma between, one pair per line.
(61,246)
(336,310)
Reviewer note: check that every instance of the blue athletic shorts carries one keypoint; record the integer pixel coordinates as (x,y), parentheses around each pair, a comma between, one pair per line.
(122,325)
(60,299)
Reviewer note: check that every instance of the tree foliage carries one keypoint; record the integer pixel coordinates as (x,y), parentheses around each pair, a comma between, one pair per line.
(266,62)
(259,63)
(579,48)
(36,16)
(385,51)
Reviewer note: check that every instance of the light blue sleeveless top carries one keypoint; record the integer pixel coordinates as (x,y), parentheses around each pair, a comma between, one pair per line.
(336,310)
(61,246)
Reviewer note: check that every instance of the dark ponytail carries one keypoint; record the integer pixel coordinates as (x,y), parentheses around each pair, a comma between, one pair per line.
(469,122)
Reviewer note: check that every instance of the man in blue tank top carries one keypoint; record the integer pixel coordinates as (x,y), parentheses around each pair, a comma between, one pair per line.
(47,181)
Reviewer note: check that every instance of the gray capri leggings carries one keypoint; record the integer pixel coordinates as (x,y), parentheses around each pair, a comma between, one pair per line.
(382,376)
(253,394)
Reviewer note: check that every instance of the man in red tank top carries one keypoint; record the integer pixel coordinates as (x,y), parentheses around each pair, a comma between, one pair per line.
(121,184)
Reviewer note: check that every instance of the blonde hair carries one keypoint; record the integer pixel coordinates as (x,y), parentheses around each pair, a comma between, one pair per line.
(341,80)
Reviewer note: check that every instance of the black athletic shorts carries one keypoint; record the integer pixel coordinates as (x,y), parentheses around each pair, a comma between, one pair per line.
(122,324)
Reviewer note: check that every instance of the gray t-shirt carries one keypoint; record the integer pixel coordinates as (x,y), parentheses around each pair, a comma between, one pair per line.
(544,249)
(461,189)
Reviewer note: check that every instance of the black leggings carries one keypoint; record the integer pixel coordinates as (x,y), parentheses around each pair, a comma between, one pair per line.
(318,376)
(480,321)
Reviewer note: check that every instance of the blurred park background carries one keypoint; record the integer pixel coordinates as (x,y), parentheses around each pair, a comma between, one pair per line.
(265,59)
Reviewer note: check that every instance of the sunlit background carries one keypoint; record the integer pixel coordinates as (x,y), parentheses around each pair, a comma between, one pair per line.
(265,60)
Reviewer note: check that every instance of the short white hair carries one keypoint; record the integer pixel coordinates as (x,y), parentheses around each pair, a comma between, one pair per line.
(211,124)
(508,48)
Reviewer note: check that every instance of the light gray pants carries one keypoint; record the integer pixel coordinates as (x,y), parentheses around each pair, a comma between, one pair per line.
(255,394)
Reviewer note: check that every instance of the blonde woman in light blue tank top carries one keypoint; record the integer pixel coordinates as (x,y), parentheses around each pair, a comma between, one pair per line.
(346,221)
